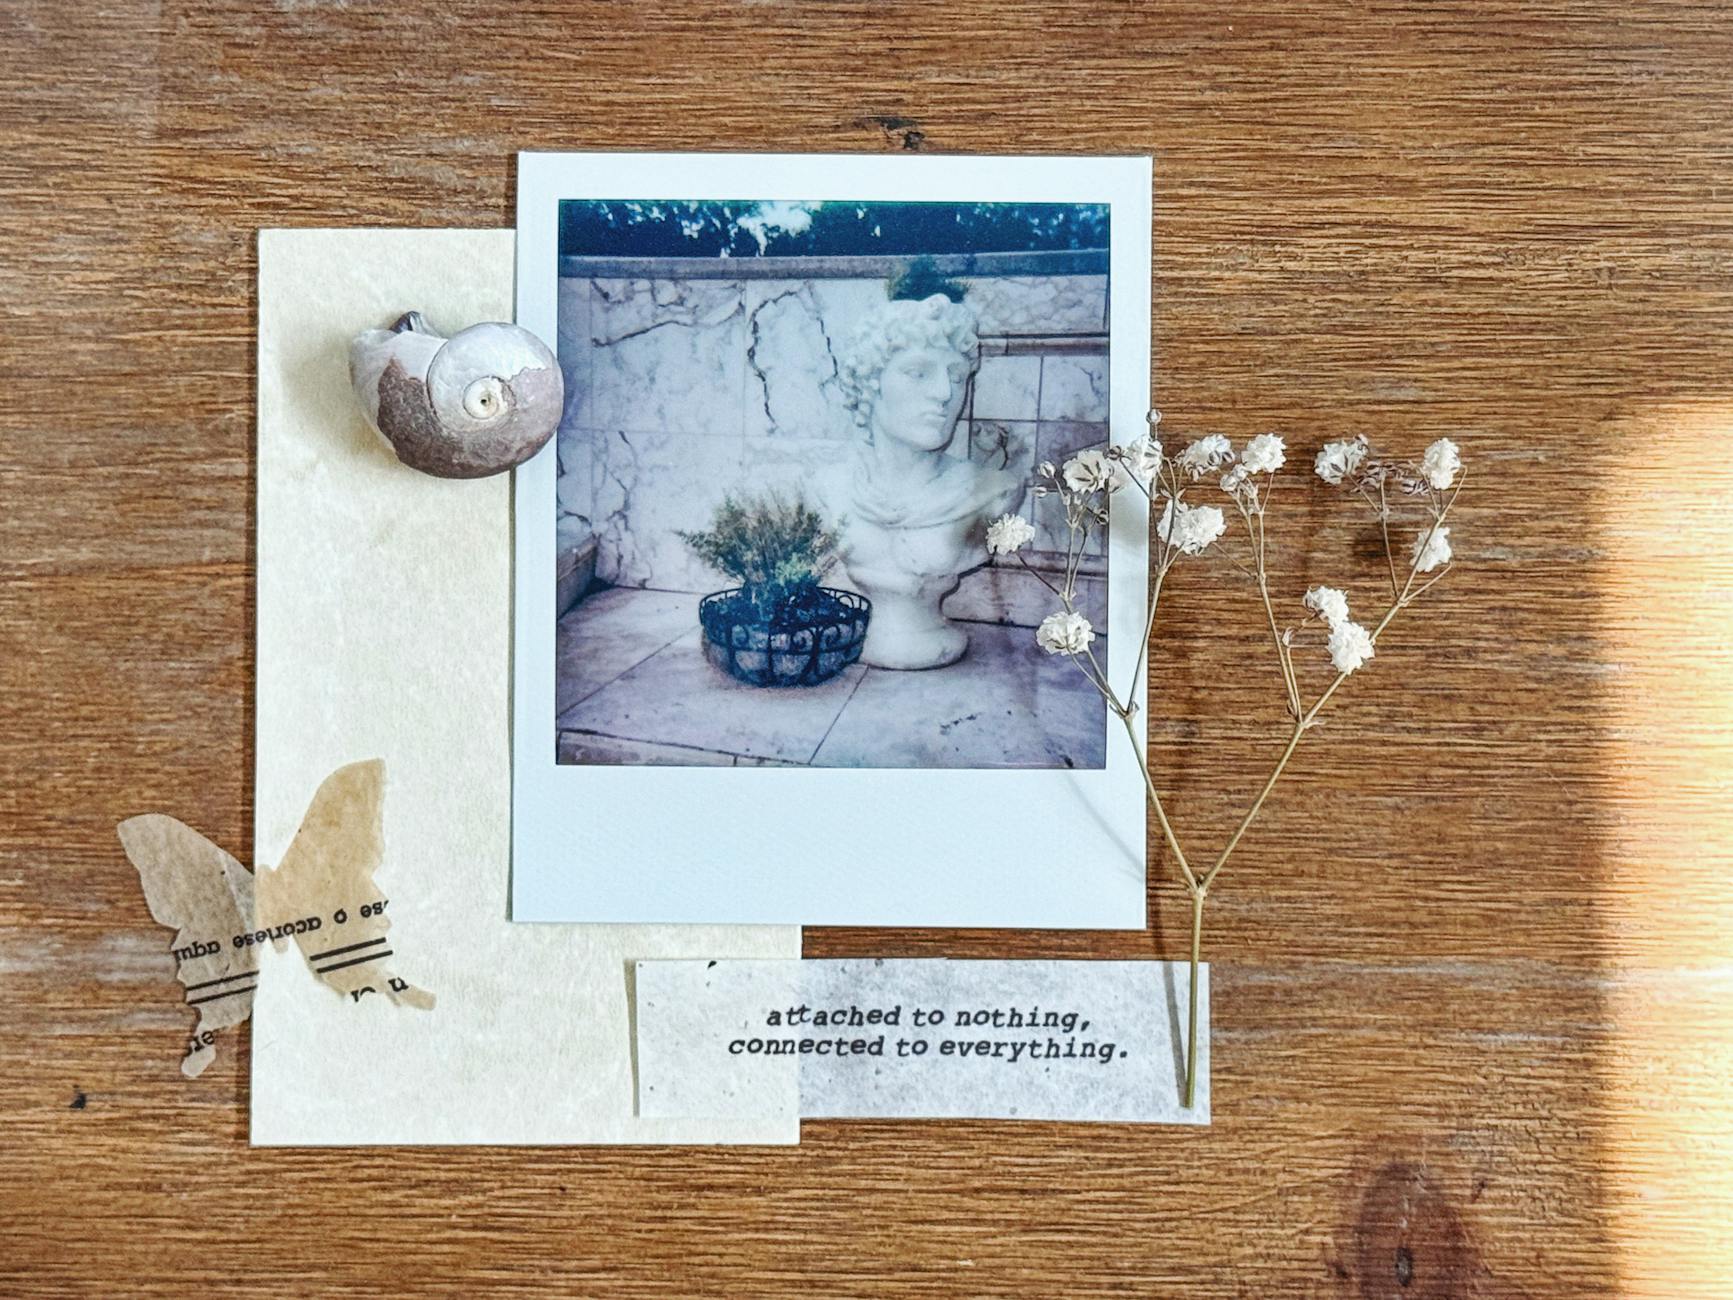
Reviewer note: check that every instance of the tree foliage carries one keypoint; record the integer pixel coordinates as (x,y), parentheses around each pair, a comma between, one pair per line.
(761,228)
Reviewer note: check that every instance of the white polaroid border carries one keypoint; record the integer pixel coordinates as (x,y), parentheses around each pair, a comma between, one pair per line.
(1048,849)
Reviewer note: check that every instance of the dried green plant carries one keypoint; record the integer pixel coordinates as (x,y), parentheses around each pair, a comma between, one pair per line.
(776,548)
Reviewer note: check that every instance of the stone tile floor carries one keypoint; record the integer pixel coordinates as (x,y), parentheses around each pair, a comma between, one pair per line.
(634,687)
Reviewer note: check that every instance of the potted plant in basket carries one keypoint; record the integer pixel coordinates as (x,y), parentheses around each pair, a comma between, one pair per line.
(779,626)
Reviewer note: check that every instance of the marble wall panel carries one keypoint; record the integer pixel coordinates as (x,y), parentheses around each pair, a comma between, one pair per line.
(575,494)
(1074,387)
(667,357)
(795,332)
(1044,304)
(575,491)
(1008,388)
(648,489)
(790,466)
(1004,444)
(572,343)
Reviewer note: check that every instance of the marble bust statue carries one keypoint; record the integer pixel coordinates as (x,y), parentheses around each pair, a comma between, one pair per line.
(911,514)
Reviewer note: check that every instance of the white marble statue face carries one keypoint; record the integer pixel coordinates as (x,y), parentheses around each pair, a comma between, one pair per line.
(920,396)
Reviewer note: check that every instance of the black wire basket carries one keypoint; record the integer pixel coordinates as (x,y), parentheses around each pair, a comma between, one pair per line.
(807,640)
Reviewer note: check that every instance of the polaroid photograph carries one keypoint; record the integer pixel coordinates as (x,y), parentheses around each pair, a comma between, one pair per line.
(766,668)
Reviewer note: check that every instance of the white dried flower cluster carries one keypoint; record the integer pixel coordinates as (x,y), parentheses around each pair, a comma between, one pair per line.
(1350,646)
(1141,457)
(1264,454)
(1008,534)
(1064,634)
(1351,460)
(1204,456)
(1337,460)
(1329,603)
(1091,471)
(1189,529)
(1441,464)
(1431,549)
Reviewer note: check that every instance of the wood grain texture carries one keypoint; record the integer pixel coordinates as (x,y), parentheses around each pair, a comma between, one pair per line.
(1474,1002)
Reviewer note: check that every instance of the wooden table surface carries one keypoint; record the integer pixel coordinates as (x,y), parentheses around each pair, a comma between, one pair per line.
(1473,995)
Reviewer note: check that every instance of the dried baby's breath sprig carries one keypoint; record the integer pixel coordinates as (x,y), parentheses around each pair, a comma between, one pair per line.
(1432,481)
(1337,460)
(1087,482)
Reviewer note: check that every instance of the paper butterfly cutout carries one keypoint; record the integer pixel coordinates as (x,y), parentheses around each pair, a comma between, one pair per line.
(322,896)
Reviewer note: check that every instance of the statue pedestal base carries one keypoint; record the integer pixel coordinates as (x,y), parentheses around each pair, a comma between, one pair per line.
(908,631)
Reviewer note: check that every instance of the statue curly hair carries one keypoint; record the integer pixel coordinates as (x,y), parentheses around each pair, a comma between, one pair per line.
(932,322)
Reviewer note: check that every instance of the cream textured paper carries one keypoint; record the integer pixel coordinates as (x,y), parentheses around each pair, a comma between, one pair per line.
(384,623)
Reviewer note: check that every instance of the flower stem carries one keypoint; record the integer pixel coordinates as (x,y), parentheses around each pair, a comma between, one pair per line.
(1137,673)
(1275,775)
(1384,524)
(1289,681)
(1197,897)
(1137,749)
(1042,579)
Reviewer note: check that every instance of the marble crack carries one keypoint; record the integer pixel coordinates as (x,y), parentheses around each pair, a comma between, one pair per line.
(618,521)
(752,352)
(638,333)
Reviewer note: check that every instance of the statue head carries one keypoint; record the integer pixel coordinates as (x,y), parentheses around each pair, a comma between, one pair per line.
(905,372)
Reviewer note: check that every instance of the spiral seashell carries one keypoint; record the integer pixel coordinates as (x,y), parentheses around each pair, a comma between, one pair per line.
(478,403)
